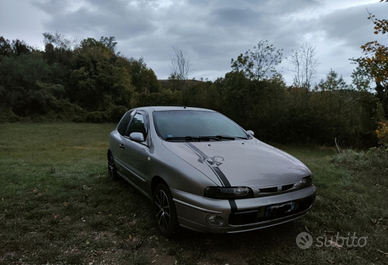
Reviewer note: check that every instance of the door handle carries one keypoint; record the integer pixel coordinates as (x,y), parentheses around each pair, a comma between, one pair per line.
(121,146)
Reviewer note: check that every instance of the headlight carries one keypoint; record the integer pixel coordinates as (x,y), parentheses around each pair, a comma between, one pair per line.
(228,193)
(306,181)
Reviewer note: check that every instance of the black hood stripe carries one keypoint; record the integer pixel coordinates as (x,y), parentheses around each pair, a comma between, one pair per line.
(197,150)
(217,171)
(221,175)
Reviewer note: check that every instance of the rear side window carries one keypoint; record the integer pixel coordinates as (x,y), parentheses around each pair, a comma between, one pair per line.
(123,124)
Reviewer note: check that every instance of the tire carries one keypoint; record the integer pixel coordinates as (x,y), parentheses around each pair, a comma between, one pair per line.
(166,218)
(112,170)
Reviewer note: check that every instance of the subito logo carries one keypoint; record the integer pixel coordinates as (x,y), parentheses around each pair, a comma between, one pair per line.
(304,240)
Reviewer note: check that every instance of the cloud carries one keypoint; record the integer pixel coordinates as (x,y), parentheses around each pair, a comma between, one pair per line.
(210,33)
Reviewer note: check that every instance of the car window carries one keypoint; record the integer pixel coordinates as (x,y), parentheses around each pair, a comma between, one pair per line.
(123,124)
(138,125)
(185,123)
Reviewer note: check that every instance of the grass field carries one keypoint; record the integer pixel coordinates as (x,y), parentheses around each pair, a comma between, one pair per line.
(57,206)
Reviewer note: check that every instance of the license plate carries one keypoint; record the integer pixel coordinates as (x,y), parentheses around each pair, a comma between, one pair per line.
(279,209)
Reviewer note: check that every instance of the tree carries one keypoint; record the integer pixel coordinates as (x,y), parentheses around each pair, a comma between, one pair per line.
(305,66)
(375,61)
(332,82)
(13,48)
(330,98)
(98,81)
(59,41)
(59,54)
(361,79)
(26,86)
(180,67)
(259,63)
(110,43)
(343,113)
(5,47)
(143,78)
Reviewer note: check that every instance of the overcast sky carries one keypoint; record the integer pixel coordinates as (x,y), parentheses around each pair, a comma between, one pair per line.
(209,32)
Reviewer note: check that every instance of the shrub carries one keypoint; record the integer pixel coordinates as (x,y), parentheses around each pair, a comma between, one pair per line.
(6,115)
(382,133)
(375,158)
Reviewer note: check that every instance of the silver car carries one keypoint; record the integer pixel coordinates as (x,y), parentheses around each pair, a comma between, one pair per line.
(204,172)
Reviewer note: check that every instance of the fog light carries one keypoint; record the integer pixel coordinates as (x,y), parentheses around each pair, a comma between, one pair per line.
(215,220)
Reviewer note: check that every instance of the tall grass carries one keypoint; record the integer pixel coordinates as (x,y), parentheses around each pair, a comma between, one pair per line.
(57,206)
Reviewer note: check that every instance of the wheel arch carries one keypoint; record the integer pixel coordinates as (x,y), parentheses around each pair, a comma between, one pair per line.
(156,180)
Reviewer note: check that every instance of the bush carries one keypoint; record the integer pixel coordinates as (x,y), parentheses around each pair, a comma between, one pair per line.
(6,115)
(382,133)
(375,158)
(97,117)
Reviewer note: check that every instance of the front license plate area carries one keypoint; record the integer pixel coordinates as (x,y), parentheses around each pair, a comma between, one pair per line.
(279,209)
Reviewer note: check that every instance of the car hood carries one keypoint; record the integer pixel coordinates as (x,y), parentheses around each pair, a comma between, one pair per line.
(240,162)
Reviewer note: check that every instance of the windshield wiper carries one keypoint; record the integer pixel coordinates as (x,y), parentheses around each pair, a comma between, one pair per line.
(224,137)
(214,138)
(186,138)
(204,138)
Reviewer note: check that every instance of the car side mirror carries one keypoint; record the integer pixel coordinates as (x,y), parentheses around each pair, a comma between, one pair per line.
(251,132)
(137,137)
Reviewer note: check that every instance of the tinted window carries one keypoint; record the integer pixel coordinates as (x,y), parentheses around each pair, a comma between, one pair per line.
(138,124)
(187,123)
(123,124)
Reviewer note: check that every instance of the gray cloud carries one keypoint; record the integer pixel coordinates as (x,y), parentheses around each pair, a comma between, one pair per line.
(209,32)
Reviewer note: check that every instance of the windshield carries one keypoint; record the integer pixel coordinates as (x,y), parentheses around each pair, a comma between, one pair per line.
(196,125)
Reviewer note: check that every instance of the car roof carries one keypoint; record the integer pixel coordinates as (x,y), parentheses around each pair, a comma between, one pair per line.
(167,108)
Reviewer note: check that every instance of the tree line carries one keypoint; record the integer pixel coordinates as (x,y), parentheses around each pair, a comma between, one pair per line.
(85,81)
(89,81)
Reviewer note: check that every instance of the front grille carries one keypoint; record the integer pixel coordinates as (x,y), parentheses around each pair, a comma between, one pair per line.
(274,190)
(269,190)
(287,187)
(261,214)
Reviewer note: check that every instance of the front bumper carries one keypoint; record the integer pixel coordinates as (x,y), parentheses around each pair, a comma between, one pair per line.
(247,214)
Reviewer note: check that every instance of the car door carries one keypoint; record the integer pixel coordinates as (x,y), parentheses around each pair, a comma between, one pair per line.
(135,153)
(117,138)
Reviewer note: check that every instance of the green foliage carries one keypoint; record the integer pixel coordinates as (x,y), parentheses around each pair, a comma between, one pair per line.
(26,86)
(110,43)
(374,63)
(13,48)
(85,81)
(373,160)
(98,80)
(6,115)
(332,82)
(163,98)
(332,111)
(58,41)
(196,93)
(301,125)
(259,63)
(142,77)
(89,81)
(345,114)
(361,79)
